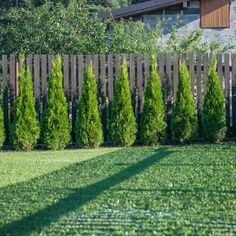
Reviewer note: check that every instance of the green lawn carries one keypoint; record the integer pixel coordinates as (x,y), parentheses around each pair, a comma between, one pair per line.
(114,191)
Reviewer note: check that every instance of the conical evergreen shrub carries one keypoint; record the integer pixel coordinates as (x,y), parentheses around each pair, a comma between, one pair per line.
(123,128)
(184,121)
(25,129)
(89,131)
(153,117)
(214,124)
(56,131)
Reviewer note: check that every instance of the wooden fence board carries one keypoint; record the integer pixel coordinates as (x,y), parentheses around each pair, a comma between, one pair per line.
(227,88)
(110,78)
(176,74)
(73,92)
(191,72)
(140,83)
(29,63)
(161,69)
(37,84)
(103,92)
(169,90)
(81,73)
(95,66)
(117,64)
(146,69)
(205,72)
(234,94)
(66,83)
(44,78)
(132,79)
(12,85)
(5,97)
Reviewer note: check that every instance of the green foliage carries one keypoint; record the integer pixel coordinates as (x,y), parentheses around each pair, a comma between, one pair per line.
(56,132)
(214,124)
(88,124)
(153,117)
(25,129)
(184,121)
(71,28)
(123,125)
(2,130)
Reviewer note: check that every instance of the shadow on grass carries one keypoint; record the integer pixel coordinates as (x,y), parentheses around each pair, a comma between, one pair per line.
(30,206)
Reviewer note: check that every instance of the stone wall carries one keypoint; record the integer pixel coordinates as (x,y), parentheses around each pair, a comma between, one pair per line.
(189,20)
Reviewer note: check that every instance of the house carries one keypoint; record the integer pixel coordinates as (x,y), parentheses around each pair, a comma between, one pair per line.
(216,18)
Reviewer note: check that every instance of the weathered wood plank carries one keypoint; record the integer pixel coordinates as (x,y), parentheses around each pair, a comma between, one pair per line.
(234,94)
(227,89)
(5,98)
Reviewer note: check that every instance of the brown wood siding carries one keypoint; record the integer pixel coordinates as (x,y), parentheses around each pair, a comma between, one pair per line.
(215,13)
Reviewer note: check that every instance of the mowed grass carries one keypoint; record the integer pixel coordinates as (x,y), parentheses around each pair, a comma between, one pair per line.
(184,190)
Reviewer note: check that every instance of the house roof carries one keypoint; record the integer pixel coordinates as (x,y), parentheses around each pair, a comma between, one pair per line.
(140,8)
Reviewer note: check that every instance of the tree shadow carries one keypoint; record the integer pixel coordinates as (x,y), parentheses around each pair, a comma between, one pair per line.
(84,182)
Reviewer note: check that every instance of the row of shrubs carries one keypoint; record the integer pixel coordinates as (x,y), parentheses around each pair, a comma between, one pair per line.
(55,129)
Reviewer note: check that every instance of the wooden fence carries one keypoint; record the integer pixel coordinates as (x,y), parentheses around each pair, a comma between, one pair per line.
(106,69)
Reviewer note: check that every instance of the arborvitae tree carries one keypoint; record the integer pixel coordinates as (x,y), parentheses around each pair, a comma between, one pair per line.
(56,131)
(214,124)
(2,130)
(123,126)
(25,129)
(184,121)
(89,131)
(153,117)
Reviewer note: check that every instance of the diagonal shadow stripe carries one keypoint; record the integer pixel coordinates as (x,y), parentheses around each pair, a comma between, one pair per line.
(80,196)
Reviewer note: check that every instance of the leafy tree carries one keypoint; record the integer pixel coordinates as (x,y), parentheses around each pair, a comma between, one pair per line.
(184,121)
(56,132)
(88,123)
(25,129)
(214,124)
(153,117)
(123,126)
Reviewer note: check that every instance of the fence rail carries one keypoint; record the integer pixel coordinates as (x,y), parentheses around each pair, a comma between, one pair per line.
(106,68)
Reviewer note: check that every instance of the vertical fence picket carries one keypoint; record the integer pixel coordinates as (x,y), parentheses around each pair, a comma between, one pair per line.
(199,89)
(110,79)
(146,69)
(37,84)
(44,78)
(176,74)
(66,76)
(103,91)
(29,63)
(169,90)
(205,72)
(191,72)
(95,66)
(161,70)
(81,73)
(12,85)
(5,97)
(220,69)
(73,92)
(140,83)
(117,65)
(227,89)
(234,94)
(132,79)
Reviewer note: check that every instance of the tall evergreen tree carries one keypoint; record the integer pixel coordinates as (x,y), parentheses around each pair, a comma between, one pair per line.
(56,131)
(184,121)
(25,129)
(123,126)
(153,117)
(88,124)
(214,124)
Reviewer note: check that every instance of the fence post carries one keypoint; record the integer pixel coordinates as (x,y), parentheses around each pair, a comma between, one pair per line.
(234,93)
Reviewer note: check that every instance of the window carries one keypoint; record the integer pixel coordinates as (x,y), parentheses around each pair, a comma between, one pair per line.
(215,13)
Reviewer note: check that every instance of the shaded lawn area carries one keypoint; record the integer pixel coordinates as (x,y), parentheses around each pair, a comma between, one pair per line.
(115,191)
